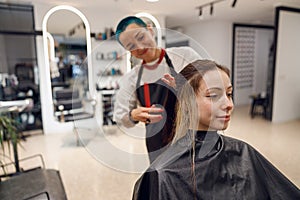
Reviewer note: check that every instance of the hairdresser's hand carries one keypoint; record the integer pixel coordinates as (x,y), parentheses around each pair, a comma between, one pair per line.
(147,115)
(169,79)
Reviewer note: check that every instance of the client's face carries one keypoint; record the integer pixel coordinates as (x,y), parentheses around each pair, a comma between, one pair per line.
(214,100)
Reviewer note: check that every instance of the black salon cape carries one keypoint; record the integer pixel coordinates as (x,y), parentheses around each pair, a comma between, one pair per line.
(235,171)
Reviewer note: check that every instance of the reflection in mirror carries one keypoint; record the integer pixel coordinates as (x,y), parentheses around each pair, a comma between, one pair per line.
(70,47)
(68,38)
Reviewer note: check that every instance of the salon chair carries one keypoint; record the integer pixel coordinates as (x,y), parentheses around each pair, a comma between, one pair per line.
(25,75)
(70,107)
(258,105)
(38,184)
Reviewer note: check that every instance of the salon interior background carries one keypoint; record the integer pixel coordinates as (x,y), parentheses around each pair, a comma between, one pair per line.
(213,30)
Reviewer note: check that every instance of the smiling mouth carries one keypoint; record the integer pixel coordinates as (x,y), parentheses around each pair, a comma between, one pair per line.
(225,118)
(143,52)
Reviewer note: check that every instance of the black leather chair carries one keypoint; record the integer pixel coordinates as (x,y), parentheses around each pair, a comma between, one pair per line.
(69,106)
(259,105)
(25,75)
(37,184)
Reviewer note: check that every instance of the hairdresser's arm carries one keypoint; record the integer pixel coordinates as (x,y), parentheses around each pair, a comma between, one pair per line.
(125,100)
(126,111)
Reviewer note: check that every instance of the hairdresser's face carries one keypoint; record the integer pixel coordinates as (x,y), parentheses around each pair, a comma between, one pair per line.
(214,101)
(139,41)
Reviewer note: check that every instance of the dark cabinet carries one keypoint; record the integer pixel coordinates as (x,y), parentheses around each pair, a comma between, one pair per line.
(19,70)
(108,99)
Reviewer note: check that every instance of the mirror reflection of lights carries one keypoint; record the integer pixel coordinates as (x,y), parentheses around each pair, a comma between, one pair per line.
(88,39)
(200,11)
(52,47)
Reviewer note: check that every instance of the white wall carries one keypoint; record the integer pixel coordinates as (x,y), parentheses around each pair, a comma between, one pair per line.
(215,37)
(286,102)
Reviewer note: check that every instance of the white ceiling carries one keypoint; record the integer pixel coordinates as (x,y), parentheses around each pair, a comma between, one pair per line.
(181,12)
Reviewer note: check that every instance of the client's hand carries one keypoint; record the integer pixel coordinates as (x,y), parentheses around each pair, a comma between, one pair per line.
(147,115)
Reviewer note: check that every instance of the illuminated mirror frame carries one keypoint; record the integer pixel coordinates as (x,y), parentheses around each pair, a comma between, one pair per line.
(50,125)
(51,46)
(88,39)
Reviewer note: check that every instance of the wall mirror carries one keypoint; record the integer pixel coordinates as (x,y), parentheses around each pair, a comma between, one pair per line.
(67,46)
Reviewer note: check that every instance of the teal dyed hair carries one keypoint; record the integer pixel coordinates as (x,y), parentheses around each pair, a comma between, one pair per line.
(126,22)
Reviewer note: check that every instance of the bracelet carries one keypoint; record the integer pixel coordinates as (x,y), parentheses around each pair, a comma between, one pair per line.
(132,120)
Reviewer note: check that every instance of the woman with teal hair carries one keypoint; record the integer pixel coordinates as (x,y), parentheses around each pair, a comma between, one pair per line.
(147,93)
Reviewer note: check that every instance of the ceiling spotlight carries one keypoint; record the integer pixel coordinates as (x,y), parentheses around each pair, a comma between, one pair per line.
(233,3)
(200,11)
(211,9)
(152,0)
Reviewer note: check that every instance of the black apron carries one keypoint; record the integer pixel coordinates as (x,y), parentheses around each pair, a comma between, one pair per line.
(159,134)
